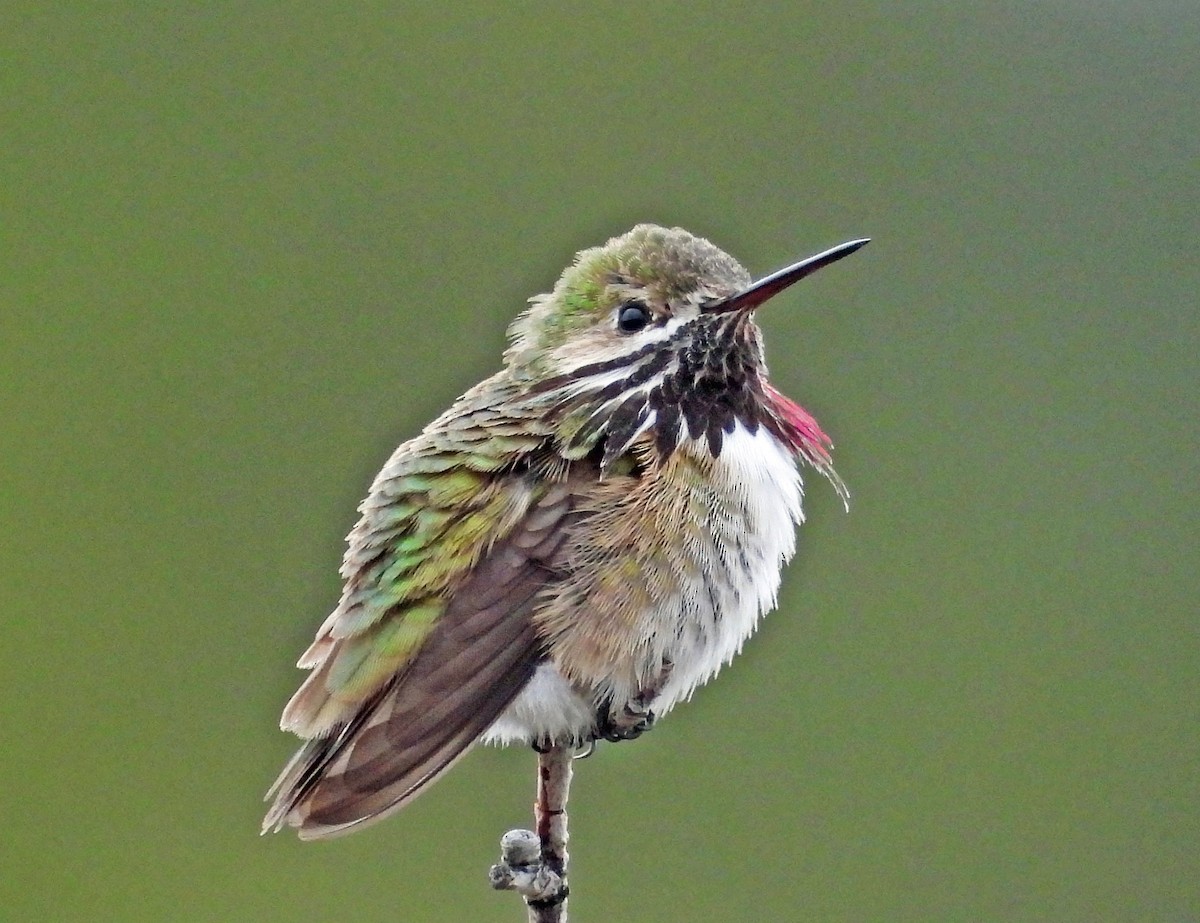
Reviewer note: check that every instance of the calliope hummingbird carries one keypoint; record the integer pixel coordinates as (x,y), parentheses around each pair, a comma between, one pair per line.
(573,547)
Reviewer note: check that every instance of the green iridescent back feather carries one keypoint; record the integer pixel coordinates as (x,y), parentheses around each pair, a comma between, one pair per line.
(433,511)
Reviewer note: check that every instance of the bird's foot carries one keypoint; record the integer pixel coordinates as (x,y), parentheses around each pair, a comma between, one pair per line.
(634,718)
(629,722)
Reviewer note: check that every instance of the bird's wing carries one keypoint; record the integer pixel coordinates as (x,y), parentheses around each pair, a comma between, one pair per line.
(433,636)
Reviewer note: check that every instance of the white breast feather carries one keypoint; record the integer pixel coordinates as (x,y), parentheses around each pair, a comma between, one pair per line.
(763,492)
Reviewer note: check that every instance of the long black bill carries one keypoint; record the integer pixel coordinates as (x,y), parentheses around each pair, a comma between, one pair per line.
(749,298)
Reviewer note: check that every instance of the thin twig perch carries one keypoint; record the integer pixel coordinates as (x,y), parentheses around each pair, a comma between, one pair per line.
(534,864)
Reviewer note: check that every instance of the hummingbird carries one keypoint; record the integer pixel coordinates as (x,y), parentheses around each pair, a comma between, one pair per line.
(571,549)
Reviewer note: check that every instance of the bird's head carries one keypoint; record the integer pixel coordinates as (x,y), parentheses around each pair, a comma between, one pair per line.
(655,331)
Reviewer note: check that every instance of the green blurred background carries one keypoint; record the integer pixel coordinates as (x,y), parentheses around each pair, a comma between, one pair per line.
(247,249)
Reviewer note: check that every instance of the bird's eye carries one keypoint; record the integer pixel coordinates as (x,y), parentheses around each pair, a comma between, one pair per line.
(632,317)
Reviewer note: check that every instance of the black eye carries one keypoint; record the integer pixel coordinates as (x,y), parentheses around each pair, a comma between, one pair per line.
(632,317)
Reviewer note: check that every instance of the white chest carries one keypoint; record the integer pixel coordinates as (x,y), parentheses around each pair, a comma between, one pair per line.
(755,503)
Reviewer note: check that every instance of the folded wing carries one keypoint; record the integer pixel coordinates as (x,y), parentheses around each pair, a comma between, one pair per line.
(433,637)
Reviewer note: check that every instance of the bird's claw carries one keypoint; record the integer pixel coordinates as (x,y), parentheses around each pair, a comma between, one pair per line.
(635,717)
(628,723)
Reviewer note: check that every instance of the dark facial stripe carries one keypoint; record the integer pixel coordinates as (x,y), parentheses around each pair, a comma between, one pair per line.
(596,368)
(710,380)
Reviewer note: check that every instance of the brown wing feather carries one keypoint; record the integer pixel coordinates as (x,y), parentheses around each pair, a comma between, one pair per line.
(476,660)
